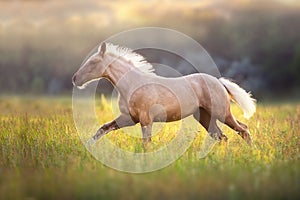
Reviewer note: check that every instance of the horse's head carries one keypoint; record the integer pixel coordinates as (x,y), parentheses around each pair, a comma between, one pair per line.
(92,69)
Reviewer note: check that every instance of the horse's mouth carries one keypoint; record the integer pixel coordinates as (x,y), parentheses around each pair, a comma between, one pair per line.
(76,84)
(83,85)
(80,86)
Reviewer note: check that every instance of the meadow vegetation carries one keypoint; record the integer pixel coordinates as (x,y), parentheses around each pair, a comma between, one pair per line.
(42,157)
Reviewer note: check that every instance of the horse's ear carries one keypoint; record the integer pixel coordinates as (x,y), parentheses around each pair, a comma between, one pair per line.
(102,48)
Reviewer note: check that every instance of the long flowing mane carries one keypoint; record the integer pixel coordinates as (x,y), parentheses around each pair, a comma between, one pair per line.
(128,54)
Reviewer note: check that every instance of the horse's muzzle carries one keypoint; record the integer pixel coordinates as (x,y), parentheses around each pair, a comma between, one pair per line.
(74,79)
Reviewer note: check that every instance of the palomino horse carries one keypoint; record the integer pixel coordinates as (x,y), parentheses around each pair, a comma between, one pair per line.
(145,97)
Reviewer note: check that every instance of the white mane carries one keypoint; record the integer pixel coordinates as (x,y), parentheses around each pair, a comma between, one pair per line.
(128,54)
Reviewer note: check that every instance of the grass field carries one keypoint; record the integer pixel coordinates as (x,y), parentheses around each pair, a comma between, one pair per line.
(42,157)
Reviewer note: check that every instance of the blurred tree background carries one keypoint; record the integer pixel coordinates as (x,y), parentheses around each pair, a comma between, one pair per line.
(256,43)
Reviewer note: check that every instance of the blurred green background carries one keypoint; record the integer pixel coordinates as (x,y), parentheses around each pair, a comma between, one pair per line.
(257,43)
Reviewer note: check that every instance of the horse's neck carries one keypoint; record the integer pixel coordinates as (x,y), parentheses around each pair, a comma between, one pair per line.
(122,74)
(116,70)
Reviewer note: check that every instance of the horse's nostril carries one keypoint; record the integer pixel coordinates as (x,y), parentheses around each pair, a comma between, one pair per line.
(74,79)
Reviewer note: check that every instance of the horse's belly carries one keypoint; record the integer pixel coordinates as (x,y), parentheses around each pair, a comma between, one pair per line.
(171,112)
(162,102)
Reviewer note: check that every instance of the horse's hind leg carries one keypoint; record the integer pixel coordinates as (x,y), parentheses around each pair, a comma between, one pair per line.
(238,126)
(242,124)
(210,124)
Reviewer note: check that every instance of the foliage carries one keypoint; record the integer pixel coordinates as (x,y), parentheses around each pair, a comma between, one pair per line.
(47,48)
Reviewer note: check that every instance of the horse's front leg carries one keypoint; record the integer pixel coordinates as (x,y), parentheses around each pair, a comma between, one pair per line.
(106,128)
(146,130)
(122,121)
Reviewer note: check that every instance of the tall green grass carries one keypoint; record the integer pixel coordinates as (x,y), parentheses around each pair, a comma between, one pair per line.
(42,157)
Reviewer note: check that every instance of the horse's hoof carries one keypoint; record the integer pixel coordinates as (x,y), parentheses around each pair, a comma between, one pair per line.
(224,138)
(98,134)
(247,137)
(91,142)
(216,136)
(146,144)
(249,141)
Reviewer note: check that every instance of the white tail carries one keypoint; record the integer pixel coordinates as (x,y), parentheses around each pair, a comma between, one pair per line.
(241,97)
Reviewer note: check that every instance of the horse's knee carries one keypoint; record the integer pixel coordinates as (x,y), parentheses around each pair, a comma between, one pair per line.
(246,136)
